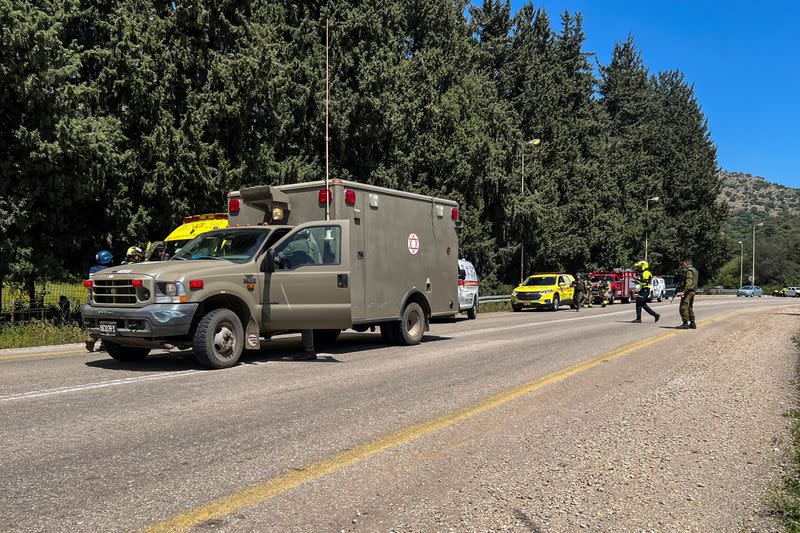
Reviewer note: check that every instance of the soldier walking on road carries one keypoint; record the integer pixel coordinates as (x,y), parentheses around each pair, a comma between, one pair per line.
(686,289)
(643,279)
(577,294)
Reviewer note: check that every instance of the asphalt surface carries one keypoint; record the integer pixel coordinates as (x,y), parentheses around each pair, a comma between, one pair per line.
(489,424)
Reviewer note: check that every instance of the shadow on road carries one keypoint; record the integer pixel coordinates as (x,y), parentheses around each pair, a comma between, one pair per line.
(278,350)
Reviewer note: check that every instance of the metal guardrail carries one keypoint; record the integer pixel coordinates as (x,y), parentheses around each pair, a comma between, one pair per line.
(494,299)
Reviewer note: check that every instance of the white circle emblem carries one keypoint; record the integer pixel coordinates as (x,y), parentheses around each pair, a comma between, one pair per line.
(413,244)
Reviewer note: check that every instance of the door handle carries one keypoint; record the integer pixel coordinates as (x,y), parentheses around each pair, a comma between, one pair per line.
(341,281)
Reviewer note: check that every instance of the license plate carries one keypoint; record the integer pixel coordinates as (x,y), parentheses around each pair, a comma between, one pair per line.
(108,328)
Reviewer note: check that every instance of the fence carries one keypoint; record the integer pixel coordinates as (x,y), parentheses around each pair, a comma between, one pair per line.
(58,302)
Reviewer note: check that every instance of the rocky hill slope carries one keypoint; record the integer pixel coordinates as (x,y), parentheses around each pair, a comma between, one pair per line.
(753,199)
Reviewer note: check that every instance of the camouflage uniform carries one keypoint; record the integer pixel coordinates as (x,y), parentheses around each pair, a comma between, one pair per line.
(688,286)
(577,294)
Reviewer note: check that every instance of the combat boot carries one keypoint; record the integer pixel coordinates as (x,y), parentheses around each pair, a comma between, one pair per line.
(636,321)
(692,325)
(685,325)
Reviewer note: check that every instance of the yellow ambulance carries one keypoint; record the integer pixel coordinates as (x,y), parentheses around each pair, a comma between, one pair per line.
(192,227)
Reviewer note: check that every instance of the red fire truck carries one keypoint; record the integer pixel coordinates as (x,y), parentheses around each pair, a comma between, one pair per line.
(623,285)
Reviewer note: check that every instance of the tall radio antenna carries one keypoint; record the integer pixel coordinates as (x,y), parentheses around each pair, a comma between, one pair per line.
(327,99)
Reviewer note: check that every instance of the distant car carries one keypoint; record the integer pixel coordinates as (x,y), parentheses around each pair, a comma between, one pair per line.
(750,290)
(669,284)
(792,292)
(467,289)
(543,291)
(658,289)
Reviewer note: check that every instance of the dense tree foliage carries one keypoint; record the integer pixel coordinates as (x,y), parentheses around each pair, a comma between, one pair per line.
(119,117)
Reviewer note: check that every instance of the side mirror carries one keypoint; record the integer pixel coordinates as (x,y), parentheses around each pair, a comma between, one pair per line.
(269,263)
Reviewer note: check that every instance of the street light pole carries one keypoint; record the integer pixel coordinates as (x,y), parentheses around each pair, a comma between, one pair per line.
(532,142)
(741,262)
(647,222)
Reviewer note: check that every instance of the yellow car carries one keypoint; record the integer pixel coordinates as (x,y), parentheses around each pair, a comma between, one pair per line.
(546,290)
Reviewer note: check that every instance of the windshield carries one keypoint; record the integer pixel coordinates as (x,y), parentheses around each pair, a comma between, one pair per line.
(594,279)
(173,247)
(238,245)
(540,280)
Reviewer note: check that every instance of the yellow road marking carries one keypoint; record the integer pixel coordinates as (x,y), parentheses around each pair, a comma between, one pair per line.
(263,491)
(40,354)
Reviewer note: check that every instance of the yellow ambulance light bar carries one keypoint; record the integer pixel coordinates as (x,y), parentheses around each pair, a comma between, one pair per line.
(212,216)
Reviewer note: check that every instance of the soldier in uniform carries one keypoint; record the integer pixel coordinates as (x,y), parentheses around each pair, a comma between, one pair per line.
(577,294)
(587,292)
(604,289)
(643,279)
(686,289)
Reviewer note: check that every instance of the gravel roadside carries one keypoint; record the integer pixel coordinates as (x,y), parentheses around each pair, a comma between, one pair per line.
(689,434)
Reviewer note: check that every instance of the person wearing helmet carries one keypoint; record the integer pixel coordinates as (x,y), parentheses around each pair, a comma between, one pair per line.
(643,279)
(133,255)
(156,251)
(103,260)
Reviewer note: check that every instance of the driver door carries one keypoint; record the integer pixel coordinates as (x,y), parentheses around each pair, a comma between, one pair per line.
(309,286)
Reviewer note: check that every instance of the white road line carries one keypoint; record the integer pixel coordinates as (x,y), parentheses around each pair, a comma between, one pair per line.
(165,375)
(95,385)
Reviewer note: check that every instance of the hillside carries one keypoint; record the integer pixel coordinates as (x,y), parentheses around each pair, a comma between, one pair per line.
(753,199)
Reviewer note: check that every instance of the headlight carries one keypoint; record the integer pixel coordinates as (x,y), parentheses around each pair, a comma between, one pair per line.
(514,293)
(170,292)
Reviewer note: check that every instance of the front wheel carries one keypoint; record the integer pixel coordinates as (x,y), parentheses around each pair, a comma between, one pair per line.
(556,303)
(125,353)
(516,308)
(473,311)
(219,339)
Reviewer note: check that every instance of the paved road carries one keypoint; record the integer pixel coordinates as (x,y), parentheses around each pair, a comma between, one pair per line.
(489,424)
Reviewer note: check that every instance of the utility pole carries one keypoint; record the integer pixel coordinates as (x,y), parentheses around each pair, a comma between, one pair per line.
(327,100)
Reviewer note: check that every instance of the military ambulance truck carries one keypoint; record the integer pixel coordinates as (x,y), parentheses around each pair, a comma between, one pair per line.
(294,257)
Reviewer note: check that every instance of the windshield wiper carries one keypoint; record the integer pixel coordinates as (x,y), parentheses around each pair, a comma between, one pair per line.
(206,257)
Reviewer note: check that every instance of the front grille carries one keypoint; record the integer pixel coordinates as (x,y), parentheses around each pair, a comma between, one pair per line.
(114,292)
(528,296)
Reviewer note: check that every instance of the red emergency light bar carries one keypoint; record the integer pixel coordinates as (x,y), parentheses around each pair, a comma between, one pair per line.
(454,213)
(349,197)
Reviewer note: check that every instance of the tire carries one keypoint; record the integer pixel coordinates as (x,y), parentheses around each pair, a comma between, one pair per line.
(625,300)
(412,325)
(472,313)
(326,337)
(126,353)
(219,339)
(556,302)
(516,308)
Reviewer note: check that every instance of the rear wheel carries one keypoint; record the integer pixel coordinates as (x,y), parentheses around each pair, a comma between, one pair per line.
(219,339)
(412,325)
(125,353)
(473,311)
(625,300)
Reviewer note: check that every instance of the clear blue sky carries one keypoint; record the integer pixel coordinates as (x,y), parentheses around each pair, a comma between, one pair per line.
(742,57)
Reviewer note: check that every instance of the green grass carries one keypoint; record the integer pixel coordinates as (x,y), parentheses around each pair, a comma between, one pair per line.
(494,307)
(39,333)
(53,290)
(785,501)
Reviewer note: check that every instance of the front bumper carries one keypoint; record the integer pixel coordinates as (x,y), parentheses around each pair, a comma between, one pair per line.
(154,321)
(546,301)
